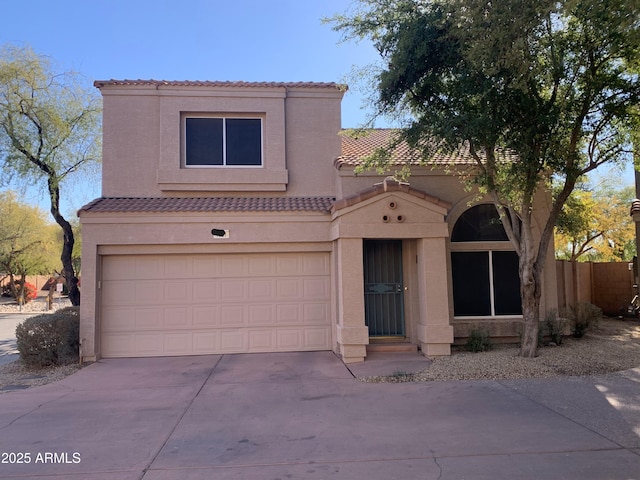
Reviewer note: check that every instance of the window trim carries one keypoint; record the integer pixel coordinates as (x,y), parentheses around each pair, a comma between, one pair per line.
(224,117)
(492,300)
(485,245)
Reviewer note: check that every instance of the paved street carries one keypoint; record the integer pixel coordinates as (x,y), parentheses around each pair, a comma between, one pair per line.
(8,322)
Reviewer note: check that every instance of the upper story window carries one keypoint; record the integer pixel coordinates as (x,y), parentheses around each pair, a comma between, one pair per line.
(222,141)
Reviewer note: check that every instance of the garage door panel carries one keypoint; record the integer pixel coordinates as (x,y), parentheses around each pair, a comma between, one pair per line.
(287,266)
(287,288)
(261,340)
(317,264)
(233,341)
(234,290)
(148,293)
(261,289)
(118,319)
(179,266)
(261,315)
(315,288)
(177,342)
(177,317)
(232,316)
(149,267)
(211,304)
(118,268)
(205,342)
(205,291)
(118,293)
(314,313)
(315,338)
(177,292)
(149,344)
(206,316)
(261,265)
(206,266)
(233,266)
(289,339)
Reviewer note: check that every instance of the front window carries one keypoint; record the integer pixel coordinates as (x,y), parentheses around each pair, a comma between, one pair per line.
(222,141)
(484,266)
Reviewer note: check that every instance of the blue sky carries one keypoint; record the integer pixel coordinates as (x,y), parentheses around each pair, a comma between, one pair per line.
(250,40)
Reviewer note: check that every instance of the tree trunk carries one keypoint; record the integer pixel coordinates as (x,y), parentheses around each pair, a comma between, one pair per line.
(530,324)
(530,290)
(67,246)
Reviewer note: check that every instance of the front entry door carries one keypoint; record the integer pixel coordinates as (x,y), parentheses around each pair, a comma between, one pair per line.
(383,290)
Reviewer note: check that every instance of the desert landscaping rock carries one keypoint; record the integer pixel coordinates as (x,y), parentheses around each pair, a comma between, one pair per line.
(612,347)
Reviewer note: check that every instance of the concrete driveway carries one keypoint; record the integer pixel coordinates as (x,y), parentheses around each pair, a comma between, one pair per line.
(303,415)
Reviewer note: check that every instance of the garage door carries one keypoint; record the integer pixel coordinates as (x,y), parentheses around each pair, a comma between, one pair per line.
(154,305)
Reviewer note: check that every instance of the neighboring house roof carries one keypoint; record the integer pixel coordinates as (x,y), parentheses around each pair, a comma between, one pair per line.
(357,145)
(208,204)
(197,83)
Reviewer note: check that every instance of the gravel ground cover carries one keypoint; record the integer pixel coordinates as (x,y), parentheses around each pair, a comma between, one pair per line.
(611,347)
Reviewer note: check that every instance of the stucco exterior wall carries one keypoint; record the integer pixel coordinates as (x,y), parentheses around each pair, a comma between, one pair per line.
(142,150)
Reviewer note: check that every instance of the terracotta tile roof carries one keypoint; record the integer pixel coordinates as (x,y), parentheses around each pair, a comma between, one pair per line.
(197,83)
(355,148)
(209,204)
(387,185)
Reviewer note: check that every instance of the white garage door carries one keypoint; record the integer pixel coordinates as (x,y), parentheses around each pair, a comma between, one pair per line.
(154,305)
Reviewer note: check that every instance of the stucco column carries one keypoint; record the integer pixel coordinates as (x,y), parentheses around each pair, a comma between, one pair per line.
(88,326)
(435,334)
(352,334)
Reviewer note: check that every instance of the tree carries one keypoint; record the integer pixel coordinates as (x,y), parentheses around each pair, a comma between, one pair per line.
(595,225)
(530,90)
(27,243)
(49,130)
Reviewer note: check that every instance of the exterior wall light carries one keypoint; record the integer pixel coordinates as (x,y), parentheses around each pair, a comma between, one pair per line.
(219,233)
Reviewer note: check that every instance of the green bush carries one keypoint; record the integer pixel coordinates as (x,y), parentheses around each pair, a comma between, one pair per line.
(479,340)
(49,339)
(553,327)
(583,316)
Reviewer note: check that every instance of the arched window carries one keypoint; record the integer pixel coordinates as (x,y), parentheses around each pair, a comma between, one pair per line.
(485,281)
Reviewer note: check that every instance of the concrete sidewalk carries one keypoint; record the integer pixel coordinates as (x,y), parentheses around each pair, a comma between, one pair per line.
(303,415)
(8,347)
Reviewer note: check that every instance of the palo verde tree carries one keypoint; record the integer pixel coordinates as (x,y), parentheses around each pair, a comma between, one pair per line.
(49,130)
(552,83)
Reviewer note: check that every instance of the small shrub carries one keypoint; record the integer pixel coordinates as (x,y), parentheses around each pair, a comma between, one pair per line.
(49,339)
(30,291)
(554,327)
(583,317)
(479,340)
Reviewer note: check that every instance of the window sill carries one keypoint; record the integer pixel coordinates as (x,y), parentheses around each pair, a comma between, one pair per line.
(223,180)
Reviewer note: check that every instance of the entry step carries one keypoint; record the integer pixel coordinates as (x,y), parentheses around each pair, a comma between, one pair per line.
(392,347)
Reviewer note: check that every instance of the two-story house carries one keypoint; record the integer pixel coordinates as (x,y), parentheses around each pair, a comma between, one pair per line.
(231,221)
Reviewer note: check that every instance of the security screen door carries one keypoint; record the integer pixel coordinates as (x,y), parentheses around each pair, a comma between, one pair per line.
(383,290)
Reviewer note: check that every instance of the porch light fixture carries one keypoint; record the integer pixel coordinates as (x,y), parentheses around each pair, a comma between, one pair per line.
(220,233)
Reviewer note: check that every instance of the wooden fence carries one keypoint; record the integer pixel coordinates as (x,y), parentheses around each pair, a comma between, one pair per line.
(610,286)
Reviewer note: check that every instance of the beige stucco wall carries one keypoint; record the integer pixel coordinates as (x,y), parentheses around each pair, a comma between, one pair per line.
(142,140)
(449,188)
(139,234)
